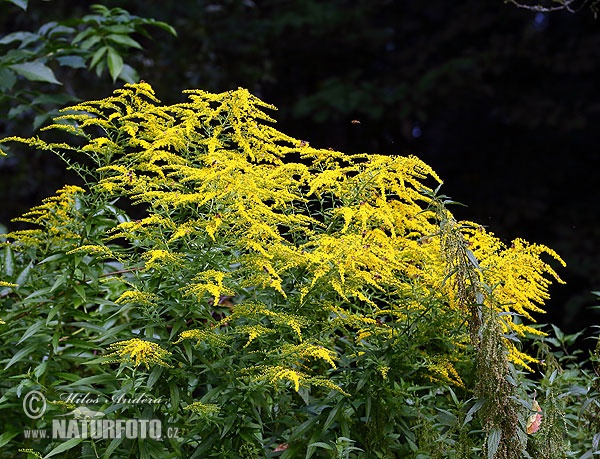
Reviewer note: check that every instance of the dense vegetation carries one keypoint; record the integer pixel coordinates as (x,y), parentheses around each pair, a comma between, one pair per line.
(277,298)
(499,100)
(257,295)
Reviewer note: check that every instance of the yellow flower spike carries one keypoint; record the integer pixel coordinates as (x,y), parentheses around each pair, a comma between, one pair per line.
(212,227)
(138,352)
(158,258)
(204,409)
(383,370)
(97,250)
(59,217)
(8,284)
(208,335)
(289,374)
(136,296)
(210,281)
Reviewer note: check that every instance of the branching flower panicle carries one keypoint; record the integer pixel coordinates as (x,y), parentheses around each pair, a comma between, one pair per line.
(139,352)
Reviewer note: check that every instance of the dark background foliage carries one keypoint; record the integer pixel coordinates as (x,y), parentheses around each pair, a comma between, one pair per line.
(504,103)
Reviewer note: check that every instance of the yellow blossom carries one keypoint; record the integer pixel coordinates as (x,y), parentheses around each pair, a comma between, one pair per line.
(138,352)
(8,284)
(156,258)
(204,409)
(136,296)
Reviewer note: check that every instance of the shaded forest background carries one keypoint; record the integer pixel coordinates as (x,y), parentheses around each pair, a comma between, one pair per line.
(504,103)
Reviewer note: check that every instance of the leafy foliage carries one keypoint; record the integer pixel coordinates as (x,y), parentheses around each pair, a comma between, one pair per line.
(279,298)
(30,61)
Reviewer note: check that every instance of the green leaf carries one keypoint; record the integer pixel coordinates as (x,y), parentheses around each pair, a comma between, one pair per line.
(61,30)
(320,444)
(53,312)
(69,444)
(82,35)
(154,375)
(120,29)
(18,110)
(40,369)
(100,52)
(20,3)
(75,62)
(45,28)
(493,442)
(35,71)
(6,437)
(21,354)
(129,74)
(332,417)
(40,119)
(588,454)
(100,9)
(163,25)
(9,261)
(24,37)
(472,259)
(90,42)
(95,379)
(53,257)
(558,332)
(80,290)
(60,280)
(112,447)
(37,293)
(124,40)
(54,99)
(174,391)
(474,409)
(115,63)
(100,68)
(32,330)
(24,275)
(55,340)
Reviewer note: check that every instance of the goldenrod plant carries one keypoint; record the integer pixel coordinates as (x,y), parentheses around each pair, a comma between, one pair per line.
(275,299)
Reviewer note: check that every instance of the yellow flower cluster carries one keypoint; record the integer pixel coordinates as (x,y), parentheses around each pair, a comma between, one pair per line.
(210,281)
(296,353)
(138,297)
(442,370)
(8,284)
(204,409)
(58,216)
(276,373)
(156,258)
(517,272)
(209,336)
(99,251)
(138,352)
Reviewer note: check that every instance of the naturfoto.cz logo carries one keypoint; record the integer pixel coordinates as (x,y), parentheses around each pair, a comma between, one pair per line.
(88,423)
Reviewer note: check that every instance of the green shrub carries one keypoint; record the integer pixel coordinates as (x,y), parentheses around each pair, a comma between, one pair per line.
(266,298)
